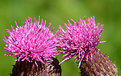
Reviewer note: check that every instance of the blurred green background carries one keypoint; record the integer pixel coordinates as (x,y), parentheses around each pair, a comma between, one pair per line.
(107,12)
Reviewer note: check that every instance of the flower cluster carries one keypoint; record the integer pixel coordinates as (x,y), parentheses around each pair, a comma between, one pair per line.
(34,44)
(32,41)
(79,38)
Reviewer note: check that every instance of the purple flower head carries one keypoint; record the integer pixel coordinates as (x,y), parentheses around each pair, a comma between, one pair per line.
(79,38)
(32,41)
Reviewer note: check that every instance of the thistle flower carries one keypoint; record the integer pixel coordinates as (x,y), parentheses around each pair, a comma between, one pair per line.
(31,43)
(79,38)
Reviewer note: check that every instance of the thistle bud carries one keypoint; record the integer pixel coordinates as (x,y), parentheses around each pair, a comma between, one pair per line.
(98,65)
(25,68)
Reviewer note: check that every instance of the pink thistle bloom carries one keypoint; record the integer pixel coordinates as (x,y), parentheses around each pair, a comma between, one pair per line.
(32,41)
(79,38)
